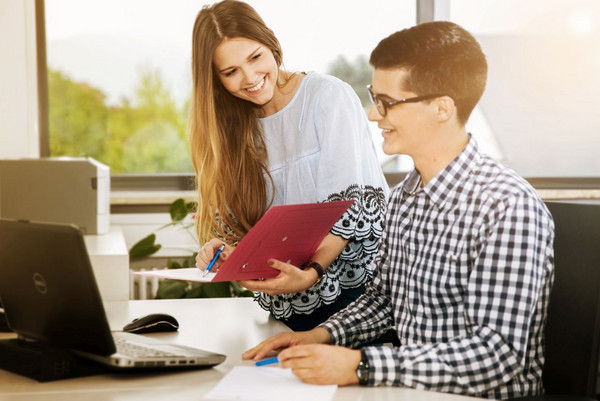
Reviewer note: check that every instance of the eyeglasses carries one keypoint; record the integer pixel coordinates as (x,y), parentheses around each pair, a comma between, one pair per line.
(383,105)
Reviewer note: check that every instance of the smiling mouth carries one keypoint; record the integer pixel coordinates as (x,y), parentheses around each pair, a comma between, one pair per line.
(257,87)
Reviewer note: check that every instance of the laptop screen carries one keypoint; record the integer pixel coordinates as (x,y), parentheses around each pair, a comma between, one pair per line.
(48,288)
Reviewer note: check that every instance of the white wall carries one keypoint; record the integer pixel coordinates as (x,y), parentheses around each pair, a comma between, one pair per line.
(18,80)
(175,240)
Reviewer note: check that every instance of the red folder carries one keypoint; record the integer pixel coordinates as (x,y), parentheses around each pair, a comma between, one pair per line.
(290,233)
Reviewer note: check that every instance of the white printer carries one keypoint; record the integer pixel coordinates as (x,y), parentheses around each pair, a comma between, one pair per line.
(58,190)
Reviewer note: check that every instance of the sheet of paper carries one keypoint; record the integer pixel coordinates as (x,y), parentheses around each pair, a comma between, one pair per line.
(187,274)
(251,383)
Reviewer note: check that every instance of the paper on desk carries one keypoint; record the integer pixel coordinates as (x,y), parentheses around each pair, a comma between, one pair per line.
(251,383)
(187,274)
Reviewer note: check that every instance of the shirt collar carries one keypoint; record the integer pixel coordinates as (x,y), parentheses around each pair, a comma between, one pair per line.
(445,188)
(412,183)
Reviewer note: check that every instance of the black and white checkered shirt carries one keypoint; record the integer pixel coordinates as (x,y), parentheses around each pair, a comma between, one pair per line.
(463,275)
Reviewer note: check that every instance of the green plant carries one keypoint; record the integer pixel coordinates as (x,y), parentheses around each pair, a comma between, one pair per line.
(167,288)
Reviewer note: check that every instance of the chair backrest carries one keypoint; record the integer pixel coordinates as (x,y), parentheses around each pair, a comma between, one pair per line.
(573,326)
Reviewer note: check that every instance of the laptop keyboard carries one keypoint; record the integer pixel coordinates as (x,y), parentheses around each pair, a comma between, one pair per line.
(139,351)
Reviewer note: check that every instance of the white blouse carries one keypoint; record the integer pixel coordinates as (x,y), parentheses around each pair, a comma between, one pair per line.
(320,149)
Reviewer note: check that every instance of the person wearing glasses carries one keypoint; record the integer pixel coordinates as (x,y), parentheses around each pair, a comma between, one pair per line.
(264,136)
(466,265)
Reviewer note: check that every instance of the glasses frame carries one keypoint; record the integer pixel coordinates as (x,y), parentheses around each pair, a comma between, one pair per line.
(382,106)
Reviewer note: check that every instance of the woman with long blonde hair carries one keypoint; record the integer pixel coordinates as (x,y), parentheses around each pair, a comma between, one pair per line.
(263,136)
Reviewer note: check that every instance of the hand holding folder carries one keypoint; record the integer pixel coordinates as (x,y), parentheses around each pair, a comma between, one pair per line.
(290,233)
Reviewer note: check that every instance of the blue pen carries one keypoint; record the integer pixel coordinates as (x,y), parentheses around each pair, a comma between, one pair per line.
(267,361)
(214,260)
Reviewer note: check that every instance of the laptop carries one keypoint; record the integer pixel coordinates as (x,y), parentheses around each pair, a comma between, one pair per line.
(50,297)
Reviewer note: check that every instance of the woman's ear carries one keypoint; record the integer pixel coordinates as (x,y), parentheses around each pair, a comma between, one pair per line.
(445,108)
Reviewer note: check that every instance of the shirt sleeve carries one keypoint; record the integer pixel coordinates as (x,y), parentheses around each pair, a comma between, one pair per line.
(370,316)
(348,167)
(508,289)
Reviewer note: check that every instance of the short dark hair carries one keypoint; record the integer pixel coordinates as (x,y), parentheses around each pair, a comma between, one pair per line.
(440,57)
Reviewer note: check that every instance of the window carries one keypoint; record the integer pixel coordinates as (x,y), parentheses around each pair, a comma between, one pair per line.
(119,76)
(540,103)
(119,71)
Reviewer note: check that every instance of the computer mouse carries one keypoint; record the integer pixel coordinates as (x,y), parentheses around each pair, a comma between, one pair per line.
(153,323)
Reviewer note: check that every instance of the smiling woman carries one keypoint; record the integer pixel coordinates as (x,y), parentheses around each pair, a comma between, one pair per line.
(249,71)
(263,136)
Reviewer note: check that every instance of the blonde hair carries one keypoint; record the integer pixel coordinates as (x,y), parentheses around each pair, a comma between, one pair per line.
(226,139)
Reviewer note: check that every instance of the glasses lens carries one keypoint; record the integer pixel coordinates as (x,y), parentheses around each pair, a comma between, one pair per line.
(371,96)
(376,101)
(381,107)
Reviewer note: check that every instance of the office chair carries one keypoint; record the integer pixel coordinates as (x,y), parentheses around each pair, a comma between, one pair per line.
(573,325)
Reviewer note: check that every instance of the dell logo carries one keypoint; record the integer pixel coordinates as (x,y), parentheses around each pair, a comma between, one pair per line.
(39,283)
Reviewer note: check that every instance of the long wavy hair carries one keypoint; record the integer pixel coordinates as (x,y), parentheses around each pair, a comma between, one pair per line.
(226,140)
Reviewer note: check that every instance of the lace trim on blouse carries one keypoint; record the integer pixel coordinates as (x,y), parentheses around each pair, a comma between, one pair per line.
(362,225)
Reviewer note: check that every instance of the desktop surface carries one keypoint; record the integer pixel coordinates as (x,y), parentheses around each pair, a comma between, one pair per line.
(224,325)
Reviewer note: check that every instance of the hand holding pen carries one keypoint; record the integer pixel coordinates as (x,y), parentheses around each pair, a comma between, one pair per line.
(214,260)
(210,253)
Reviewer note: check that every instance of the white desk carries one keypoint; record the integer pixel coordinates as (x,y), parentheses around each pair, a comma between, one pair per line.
(227,326)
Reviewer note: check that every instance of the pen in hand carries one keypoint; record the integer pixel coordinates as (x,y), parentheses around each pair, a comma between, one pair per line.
(268,361)
(214,260)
